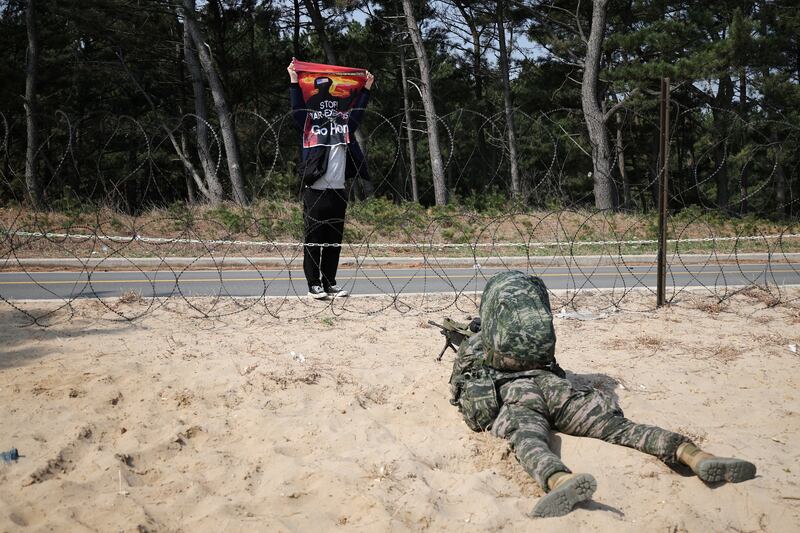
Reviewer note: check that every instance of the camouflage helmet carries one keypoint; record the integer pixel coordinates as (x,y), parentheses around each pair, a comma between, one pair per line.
(516,322)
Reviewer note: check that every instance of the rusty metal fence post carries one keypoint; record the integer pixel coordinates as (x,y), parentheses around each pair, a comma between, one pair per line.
(663,182)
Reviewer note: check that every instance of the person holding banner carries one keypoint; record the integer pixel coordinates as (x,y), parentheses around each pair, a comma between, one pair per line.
(328,104)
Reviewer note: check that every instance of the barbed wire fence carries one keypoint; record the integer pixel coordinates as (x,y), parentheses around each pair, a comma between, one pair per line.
(131,213)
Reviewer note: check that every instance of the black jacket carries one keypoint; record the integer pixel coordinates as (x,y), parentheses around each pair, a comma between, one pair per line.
(356,163)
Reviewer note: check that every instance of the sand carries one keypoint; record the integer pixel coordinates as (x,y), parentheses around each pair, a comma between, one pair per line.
(339,420)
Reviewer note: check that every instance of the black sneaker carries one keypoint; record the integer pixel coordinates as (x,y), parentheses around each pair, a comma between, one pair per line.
(317,292)
(335,291)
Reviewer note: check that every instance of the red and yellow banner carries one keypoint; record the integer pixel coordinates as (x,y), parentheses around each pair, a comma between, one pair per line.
(329,91)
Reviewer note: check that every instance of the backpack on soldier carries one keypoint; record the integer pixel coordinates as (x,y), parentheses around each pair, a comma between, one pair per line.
(517,323)
(472,386)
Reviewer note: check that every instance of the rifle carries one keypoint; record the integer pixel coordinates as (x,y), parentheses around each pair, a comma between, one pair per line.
(455,332)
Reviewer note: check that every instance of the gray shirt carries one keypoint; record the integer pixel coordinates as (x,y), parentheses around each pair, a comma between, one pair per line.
(334,176)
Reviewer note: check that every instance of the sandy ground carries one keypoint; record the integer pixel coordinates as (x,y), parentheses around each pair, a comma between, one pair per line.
(339,420)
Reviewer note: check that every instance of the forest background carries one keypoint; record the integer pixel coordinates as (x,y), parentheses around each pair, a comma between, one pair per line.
(134,105)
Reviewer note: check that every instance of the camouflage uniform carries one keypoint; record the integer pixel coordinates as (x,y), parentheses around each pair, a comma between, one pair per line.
(523,406)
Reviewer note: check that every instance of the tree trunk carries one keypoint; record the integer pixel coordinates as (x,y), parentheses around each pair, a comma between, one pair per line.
(486,162)
(721,161)
(190,186)
(476,48)
(412,150)
(214,187)
(220,103)
(32,181)
(509,106)
(180,55)
(217,28)
(744,173)
(296,32)
(255,62)
(437,168)
(626,186)
(319,24)
(780,176)
(721,106)
(604,193)
(680,155)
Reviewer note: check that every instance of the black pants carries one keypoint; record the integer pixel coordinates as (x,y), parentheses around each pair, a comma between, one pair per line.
(323,215)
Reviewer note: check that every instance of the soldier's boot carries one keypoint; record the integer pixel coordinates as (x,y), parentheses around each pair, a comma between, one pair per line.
(566,490)
(713,469)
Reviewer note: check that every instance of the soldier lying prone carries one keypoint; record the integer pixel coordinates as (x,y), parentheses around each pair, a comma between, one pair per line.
(506,380)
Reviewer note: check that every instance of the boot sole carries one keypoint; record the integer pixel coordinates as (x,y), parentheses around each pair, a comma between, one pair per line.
(725,469)
(561,501)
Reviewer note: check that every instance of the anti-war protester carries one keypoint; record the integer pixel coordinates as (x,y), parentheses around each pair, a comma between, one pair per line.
(506,380)
(328,104)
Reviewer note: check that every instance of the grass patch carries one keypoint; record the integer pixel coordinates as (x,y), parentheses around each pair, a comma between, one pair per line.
(485,227)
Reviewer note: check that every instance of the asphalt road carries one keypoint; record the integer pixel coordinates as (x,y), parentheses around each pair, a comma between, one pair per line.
(257,283)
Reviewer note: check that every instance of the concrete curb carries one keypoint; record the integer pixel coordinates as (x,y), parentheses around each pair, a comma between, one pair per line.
(673,291)
(390,262)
